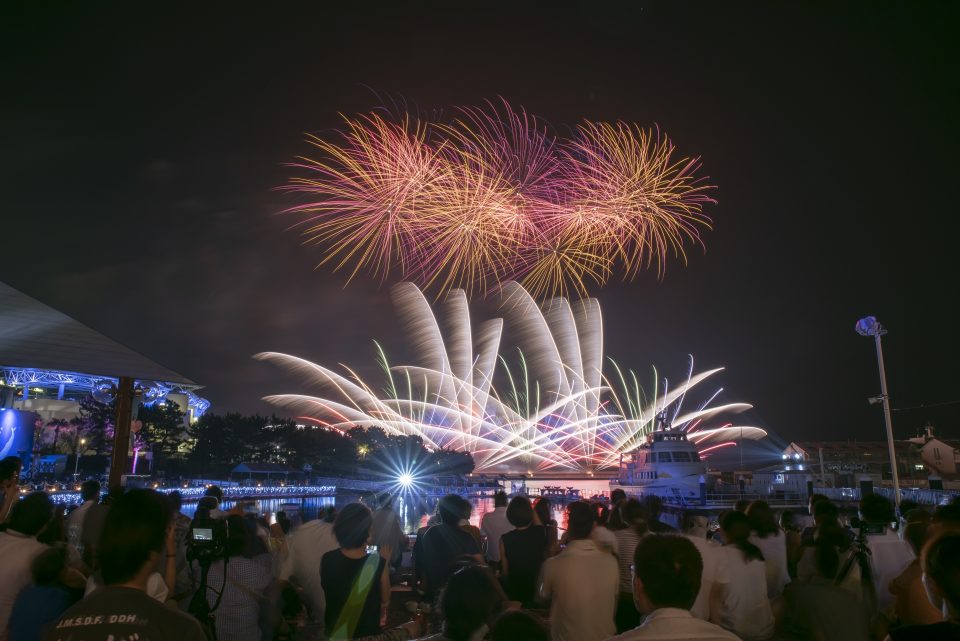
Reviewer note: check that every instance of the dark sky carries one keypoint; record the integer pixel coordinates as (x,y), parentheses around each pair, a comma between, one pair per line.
(140,148)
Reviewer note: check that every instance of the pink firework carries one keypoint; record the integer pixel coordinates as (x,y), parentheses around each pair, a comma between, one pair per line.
(493,195)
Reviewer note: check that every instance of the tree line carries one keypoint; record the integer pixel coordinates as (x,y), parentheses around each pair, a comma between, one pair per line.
(215,443)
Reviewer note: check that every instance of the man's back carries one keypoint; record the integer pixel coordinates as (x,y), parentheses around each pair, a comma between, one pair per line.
(123,613)
(820,610)
(889,556)
(673,623)
(307,546)
(583,584)
(494,525)
(441,546)
(709,553)
(74,523)
(386,530)
(90,530)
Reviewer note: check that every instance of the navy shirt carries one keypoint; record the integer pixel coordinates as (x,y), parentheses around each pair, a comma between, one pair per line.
(35,607)
(442,547)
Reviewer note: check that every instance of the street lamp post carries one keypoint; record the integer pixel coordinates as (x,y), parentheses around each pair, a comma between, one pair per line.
(76,458)
(869,326)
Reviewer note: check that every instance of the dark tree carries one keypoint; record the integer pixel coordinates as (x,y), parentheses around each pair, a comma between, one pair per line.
(96,422)
(163,430)
(452,462)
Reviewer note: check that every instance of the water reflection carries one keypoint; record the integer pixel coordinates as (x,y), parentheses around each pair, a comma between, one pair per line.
(413,511)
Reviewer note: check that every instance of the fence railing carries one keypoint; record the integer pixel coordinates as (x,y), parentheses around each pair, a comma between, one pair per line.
(920,495)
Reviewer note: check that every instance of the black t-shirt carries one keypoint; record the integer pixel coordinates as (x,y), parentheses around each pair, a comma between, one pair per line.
(943,631)
(337,575)
(443,545)
(525,550)
(123,614)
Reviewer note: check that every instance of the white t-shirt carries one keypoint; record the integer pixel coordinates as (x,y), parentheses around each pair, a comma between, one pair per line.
(673,623)
(583,583)
(307,545)
(710,553)
(494,525)
(889,557)
(74,523)
(605,539)
(745,609)
(17,552)
(774,548)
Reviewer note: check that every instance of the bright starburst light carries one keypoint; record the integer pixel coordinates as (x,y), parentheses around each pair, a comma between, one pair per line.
(551,409)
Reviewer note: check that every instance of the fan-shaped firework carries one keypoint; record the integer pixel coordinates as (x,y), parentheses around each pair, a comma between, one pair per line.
(493,195)
(553,409)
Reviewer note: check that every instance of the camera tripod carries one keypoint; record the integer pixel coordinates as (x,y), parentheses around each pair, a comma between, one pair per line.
(861,556)
(199,606)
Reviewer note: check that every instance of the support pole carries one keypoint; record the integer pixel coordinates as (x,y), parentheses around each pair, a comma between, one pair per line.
(121,431)
(888,418)
(823,478)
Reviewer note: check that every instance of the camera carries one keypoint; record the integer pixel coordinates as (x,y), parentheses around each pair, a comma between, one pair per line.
(207,539)
(866,528)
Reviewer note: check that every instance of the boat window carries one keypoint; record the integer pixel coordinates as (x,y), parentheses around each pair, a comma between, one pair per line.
(696,457)
(664,457)
(681,457)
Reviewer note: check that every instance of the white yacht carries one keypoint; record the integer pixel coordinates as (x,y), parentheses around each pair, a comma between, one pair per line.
(667,465)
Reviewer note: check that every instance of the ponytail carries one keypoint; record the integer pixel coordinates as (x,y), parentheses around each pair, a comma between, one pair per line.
(632,515)
(830,539)
(750,551)
(736,531)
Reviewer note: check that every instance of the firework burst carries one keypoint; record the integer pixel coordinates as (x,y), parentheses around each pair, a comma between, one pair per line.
(493,195)
(550,408)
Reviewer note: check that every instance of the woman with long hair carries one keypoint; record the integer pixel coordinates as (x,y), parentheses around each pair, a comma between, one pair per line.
(740,602)
(790,524)
(826,560)
(772,542)
(522,551)
(542,509)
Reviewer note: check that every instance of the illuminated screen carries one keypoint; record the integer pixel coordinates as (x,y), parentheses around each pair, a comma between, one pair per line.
(16,433)
(202,534)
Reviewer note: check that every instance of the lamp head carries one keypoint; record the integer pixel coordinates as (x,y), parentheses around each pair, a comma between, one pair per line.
(104,391)
(868,326)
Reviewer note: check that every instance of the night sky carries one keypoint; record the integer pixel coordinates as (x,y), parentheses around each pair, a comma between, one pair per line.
(141,149)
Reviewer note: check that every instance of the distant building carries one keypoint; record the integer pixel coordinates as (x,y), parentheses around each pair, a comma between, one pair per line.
(941,457)
(250,473)
(844,464)
(49,362)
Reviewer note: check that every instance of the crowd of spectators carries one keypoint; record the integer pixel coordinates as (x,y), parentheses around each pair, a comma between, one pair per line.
(120,567)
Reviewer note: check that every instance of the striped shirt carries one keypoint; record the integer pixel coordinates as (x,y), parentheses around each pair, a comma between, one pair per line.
(627,540)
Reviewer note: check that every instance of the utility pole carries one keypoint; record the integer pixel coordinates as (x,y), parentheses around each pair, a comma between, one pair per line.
(121,432)
(869,326)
